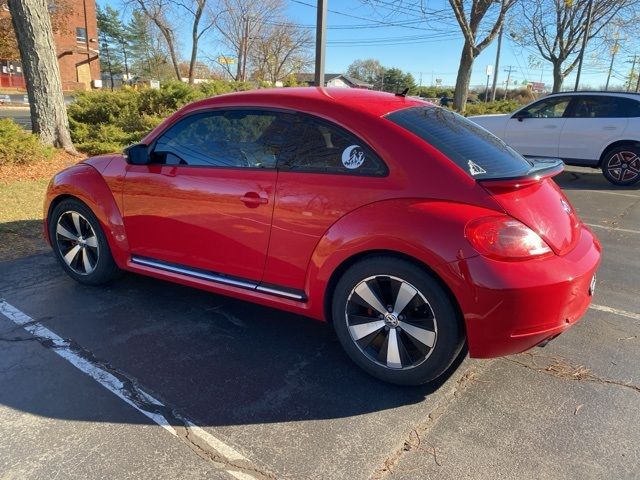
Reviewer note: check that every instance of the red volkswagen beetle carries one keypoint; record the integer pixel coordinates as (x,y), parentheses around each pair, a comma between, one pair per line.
(409,228)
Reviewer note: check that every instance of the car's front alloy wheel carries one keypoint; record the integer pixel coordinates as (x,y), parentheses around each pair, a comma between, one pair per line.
(80,244)
(396,321)
(77,242)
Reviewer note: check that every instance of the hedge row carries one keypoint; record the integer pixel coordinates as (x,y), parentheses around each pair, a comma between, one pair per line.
(106,121)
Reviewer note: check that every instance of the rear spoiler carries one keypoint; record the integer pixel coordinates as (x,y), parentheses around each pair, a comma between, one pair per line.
(540,168)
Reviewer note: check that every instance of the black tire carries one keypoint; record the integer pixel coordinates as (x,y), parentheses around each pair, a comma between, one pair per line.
(621,165)
(386,275)
(67,217)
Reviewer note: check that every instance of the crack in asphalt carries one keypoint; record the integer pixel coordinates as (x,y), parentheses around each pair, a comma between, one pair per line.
(563,368)
(442,405)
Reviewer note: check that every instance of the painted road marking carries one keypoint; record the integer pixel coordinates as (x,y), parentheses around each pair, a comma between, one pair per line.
(612,229)
(233,461)
(620,194)
(623,313)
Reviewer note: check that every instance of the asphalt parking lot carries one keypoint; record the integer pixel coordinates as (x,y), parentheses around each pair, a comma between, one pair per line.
(203,386)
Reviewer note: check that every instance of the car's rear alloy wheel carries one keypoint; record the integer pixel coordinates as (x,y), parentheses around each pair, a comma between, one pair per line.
(396,321)
(391,322)
(80,244)
(621,166)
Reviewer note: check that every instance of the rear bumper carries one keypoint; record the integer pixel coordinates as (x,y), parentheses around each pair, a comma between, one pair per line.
(510,307)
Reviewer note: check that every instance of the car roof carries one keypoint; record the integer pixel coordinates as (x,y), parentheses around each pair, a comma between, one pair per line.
(301,98)
(634,95)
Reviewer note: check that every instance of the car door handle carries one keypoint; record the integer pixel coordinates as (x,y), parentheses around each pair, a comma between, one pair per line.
(609,127)
(550,126)
(253,199)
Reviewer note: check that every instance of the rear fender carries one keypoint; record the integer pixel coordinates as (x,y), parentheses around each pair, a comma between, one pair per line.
(85,183)
(432,232)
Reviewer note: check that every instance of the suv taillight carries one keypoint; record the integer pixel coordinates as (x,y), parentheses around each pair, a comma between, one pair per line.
(505,238)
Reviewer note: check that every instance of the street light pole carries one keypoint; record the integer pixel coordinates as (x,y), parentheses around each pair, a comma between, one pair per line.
(321,40)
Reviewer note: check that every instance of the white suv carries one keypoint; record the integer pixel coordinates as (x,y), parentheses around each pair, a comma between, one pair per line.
(595,129)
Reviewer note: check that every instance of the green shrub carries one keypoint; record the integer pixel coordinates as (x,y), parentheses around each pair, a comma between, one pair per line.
(17,146)
(106,121)
(499,106)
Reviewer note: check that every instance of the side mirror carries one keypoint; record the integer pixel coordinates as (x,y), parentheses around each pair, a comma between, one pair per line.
(520,116)
(137,154)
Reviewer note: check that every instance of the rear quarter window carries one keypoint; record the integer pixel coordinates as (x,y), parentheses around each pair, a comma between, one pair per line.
(478,152)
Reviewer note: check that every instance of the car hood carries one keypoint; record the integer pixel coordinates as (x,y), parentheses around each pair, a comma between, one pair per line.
(100,162)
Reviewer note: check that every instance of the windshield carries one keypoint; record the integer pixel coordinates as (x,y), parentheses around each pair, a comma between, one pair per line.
(475,150)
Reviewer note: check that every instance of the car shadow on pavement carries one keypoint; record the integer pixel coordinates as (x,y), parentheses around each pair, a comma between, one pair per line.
(216,360)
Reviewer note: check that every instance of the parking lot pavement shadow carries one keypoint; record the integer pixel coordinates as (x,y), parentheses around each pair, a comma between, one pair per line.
(584,178)
(216,360)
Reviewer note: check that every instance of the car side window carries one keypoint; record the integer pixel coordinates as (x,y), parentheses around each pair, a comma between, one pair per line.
(315,145)
(547,108)
(231,138)
(605,107)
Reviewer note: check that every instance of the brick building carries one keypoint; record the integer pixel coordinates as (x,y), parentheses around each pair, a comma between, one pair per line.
(76,40)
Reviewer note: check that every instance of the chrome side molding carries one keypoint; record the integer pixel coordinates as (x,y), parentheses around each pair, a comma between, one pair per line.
(217,278)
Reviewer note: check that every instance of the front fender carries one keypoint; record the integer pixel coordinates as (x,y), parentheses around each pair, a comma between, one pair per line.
(85,183)
(430,231)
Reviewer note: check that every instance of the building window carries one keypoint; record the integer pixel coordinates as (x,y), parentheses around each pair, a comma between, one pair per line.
(81,35)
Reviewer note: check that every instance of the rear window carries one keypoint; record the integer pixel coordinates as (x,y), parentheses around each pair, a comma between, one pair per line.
(478,152)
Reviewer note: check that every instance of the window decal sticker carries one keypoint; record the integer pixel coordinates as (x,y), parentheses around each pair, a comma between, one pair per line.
(353,157)
(475,169)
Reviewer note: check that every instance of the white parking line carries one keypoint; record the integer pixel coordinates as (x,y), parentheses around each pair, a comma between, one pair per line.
(134,396)
(620,194)
(612,229)
(623,313)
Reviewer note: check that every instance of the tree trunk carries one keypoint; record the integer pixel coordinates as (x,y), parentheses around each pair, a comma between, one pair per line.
(172,52)
(32,25)
(195,37)
(558,78)
(463,79)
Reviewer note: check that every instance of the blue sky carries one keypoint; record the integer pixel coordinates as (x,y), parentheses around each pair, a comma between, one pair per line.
(428,49)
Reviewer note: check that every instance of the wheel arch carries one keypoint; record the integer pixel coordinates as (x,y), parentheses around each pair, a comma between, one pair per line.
(616,144)
(85,184)
(352,260)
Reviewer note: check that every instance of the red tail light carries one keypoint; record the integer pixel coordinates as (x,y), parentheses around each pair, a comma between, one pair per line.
(505,238)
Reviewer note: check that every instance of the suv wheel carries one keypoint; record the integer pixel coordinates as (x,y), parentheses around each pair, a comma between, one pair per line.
(80,244)
(395,321)
(621,166)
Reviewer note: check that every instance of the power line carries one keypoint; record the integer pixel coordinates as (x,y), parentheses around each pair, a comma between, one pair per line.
(389,24)
(345,27)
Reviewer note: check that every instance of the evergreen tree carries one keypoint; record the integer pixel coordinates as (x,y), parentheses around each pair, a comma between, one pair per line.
(146,59)
(394,80)
(114,42)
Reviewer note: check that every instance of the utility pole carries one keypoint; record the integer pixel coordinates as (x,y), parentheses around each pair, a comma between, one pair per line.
(633,71)
(245,53)
(585,38)
(497,69)
(488,71)
(240,54)
(321,40)
(638,83)
(509,69)
(614,50)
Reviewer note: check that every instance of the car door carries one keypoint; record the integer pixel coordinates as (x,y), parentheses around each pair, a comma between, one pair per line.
(592,123)
(535,130)
(206,200)
(324,172)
